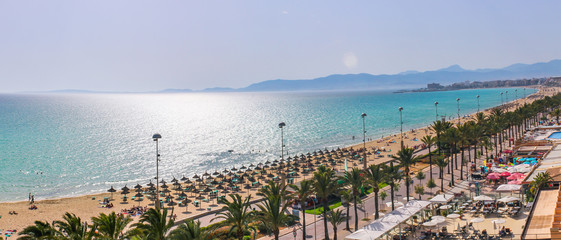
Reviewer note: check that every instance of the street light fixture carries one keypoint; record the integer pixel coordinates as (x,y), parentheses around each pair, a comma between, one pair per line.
(401,124)
(478,103)
(506,96)
(156,137)
(281,126)
(502,102)
(458,100)
(436,110)
(363,115)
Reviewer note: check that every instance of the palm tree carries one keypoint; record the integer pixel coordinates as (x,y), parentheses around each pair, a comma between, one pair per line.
(406,160)
(302,192)
(355,180)
(431,184)
(346,199)
(153,224)
(556,113)
(420,176)
(189,230)
(41,230)
(335,218)
(441,162)
(236,214)
(440,127)
(419,189)
(273,208)
(325,185)
(540,181)
(73,227)
(110,226)
(392,176)
(375,177)
(429,140)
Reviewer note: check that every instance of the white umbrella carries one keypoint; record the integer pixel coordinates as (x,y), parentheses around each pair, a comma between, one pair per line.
(453,216)
(396,204)
(508,199)
(476,220)
(438,219)
(430,224)
(410,198)
(444,207)
(509,187)
(483,198)
(499,221)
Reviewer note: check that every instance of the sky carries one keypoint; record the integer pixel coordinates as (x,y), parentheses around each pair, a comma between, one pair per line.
(136,45)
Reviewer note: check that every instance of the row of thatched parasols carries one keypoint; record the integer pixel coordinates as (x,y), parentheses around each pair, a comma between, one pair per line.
(230,179)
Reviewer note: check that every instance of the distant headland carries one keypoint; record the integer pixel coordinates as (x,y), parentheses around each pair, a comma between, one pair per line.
(450,78)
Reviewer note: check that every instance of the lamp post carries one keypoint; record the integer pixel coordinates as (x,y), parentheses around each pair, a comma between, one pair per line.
(436,110)
(478,103)
(506,95)
(524,89)
(363,115)
(502,102)
(156,137)
(401,125)
(458,100)
(281,126)
(515,93)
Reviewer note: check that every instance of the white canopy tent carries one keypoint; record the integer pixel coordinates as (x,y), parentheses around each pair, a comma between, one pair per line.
(389,221)
(442,198)
(483,198)
(508,199)
(509,188)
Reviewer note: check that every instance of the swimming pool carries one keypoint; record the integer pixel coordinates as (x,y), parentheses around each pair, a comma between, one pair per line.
(555,135)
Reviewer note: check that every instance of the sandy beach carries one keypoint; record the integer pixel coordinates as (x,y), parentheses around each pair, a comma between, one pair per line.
(89,205)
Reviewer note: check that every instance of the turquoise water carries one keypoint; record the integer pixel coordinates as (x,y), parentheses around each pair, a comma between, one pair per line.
(65,145)
(555,135)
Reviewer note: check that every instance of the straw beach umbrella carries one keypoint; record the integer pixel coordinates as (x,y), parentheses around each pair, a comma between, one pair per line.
(111,190)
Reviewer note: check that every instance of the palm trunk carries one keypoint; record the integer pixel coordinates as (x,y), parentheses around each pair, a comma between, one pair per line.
(335,232)
(430,163)
(276,232)
(441,181)
(407,182)
(325,209)
(391,195)
(356,214)
(376,215)
(462,166)
(347,220)
(303,221)
(452,172)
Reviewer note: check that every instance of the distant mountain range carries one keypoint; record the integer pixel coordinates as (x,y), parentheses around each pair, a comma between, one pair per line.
(404,80)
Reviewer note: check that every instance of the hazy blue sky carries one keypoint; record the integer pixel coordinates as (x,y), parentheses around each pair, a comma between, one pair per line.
(151,45)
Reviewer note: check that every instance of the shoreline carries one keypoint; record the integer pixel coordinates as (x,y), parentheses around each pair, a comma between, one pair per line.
(44,190)
(355,146)
(87,205)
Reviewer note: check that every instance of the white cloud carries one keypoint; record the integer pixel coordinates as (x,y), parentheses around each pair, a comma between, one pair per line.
(284,12)
(350,60)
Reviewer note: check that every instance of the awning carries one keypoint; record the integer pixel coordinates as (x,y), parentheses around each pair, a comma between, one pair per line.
(509,188)
(442,198)
(389,221)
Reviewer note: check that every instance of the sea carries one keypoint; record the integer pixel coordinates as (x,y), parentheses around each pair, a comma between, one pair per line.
(61,145)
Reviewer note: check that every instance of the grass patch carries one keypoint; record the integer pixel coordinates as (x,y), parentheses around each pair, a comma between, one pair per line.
(319,210)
